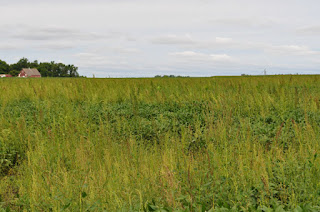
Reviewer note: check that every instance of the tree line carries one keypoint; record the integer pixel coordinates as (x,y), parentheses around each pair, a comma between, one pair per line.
(169,76)
(46,69)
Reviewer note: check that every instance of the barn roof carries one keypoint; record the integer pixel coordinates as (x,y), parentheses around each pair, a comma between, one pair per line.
(31,71)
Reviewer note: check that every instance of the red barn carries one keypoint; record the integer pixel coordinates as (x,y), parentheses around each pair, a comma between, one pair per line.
(29,72)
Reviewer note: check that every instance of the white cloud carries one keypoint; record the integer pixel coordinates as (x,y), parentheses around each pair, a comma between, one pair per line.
(221,57)
(223,40)
(292,50)
(191,55)
(187,54)
(188,41)
(174,40)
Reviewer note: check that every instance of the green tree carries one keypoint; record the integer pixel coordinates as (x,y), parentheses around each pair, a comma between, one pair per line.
(22,63)
(14,72)
(4,67)
(46,69)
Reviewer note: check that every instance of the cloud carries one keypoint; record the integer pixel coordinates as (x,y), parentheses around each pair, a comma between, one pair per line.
(187,54)
(312,30)
(188,41)
(252,22)
(53,33)
(145,36)
(54,46)
(223,40)
(196,56)
(212,43)
(119,50)
(6,46)
(291,50)
(221,57)
(89,60)
(231,44)
(174,40)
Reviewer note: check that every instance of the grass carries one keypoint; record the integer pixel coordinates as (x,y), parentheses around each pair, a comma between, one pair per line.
(183,144)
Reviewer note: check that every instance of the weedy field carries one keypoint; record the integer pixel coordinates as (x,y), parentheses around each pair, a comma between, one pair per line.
(182,144)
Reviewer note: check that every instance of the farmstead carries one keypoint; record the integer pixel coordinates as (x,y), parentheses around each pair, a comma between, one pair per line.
(29,72)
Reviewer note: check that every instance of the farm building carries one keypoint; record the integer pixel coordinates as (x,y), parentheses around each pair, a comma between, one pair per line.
(29,72)
(5,75)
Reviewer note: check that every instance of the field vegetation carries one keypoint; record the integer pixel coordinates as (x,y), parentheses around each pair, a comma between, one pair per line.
(162,144)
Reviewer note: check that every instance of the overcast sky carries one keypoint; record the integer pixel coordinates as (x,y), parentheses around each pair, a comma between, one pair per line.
(144,38)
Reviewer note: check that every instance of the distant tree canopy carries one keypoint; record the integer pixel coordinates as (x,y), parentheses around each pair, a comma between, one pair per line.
(46,69)
(168,76)
(4,67)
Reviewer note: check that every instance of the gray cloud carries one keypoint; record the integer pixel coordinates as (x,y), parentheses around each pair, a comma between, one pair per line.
(174,39)
(312,30)
(188,37)
(54,46)
(53,33)
(292,50)
(6,46)
(251,22)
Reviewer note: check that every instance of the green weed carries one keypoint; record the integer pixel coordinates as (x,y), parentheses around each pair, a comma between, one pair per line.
(180,144)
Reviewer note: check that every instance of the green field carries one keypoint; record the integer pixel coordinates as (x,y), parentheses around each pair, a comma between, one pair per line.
(180,144)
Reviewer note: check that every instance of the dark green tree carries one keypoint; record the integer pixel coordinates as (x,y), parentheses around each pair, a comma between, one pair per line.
(4,67)
(22,63)
(46,69)
(53,69)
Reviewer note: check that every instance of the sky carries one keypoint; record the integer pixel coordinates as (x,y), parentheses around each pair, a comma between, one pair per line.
(144,38)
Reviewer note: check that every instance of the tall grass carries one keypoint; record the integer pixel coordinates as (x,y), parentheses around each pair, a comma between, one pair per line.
(188,144)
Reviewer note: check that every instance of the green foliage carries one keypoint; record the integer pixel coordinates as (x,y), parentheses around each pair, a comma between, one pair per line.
(57,70)
(178,144)
(4,67)
(8,152)
(46,69)
(168,76)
